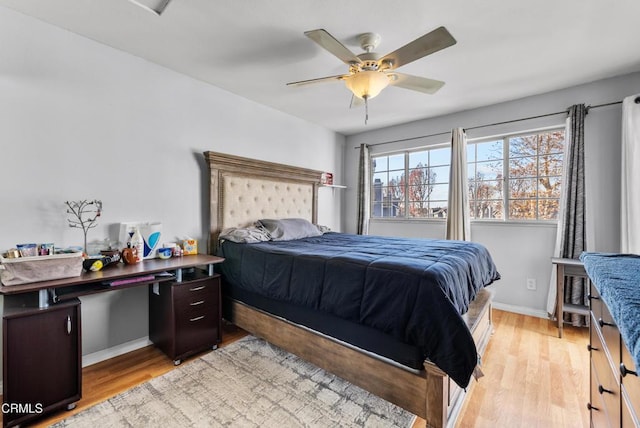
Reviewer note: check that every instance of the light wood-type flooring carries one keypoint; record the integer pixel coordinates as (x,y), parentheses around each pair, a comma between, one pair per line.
(532,378)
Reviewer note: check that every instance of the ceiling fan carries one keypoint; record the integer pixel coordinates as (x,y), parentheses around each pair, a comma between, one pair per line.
(369,73)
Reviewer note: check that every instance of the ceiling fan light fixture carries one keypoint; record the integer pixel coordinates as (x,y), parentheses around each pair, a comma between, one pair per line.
(367,84)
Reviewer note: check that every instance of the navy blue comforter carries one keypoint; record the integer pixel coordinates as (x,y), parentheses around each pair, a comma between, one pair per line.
(412,289)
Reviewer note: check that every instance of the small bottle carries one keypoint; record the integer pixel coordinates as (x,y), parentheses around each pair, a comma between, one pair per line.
(138,243)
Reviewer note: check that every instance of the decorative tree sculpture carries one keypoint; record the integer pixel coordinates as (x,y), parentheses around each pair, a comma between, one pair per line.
(85,213)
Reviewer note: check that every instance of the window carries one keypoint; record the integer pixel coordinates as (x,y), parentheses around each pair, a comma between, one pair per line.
(411,184)
(515,177)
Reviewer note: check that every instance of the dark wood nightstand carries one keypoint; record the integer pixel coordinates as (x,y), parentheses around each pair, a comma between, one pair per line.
(186,317)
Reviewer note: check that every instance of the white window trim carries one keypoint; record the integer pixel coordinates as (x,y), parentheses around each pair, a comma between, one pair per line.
(505,138)
(406,153)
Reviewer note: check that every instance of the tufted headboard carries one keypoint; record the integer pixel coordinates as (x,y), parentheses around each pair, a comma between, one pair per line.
(243,190)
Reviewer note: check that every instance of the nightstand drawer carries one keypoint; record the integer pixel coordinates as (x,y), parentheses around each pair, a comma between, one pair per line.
(194,291)
(190,314)
(196,329)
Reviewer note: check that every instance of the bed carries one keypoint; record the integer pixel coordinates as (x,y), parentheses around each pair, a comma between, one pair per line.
(356,344)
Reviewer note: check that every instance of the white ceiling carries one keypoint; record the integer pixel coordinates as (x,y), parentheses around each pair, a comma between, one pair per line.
(506,49)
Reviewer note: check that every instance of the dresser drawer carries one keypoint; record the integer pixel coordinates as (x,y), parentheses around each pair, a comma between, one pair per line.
(629,417)
(630,380)
(601,361)
(611,335)
(605,387)
(597,406)
(595,301)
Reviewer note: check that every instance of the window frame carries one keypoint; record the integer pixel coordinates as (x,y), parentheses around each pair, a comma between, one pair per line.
(506,179)
(406,154)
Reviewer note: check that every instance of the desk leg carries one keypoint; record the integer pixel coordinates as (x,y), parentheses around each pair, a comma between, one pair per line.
(560,297)
(43,299)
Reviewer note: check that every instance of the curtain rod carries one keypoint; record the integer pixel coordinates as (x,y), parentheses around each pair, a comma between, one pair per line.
(493,124)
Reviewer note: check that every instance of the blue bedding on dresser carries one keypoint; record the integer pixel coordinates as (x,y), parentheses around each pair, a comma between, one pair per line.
(414,290)
(617,279)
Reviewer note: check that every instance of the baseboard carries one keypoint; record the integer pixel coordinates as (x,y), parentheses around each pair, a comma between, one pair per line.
(523,310)
(115,351)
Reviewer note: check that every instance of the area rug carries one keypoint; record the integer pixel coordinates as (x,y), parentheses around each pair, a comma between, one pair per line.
(249,383)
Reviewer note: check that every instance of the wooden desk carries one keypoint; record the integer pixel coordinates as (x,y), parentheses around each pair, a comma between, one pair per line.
(90,281)
(567,268)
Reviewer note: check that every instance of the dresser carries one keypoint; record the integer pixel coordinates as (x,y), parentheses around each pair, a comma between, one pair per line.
(614,382)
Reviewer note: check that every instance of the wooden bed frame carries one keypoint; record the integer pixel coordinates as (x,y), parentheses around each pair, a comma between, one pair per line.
(243,190)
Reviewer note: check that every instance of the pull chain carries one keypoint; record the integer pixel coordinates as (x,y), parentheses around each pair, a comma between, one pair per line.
(366,110)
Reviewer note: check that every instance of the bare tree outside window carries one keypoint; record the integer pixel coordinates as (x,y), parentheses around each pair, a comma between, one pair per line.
(515,177)
(535,171)
(407,192)
(420,186)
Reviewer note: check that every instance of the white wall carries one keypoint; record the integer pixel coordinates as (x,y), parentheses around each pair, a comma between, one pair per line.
(80,120)
(520,251)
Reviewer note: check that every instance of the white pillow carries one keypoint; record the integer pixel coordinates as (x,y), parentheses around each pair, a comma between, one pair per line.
(289,228)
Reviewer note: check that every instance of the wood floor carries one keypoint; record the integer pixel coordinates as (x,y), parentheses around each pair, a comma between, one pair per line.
(532,378)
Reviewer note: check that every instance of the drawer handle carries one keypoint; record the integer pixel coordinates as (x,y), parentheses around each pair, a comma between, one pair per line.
(590,407)
(592,297)
(591,348)
(201,317)
(197,288)
(197,303)
(625,371)
(603,323)
(602,390)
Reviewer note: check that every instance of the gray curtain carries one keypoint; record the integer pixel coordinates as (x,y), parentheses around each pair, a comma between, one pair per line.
(364,190)
(458,217)
(571,238)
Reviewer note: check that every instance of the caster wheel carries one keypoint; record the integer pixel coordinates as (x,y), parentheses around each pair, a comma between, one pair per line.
(71,406)
(177,362)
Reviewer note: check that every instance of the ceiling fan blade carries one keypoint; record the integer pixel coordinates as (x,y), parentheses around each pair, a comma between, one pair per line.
(430,43)
(415,83)
(330,43)
(318,80)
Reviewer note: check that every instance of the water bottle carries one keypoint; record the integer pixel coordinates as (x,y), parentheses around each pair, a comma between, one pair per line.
(138,243)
